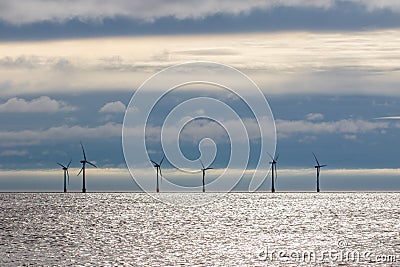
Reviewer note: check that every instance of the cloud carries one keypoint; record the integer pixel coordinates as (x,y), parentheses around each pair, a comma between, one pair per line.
(31,11)
(10,153)
(32,137)
(308,139)
(388,118)
(352,137)
(349,126)
(113,107)
(15,12)
(209,52)
(41,104)
(277,69)
(315,116)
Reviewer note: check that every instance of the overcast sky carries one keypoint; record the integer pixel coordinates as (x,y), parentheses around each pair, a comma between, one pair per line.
(329,70)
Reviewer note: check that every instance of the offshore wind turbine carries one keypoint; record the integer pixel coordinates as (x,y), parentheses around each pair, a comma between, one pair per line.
(204,174)
(273,162)
(65,174)
(158,169)
(318,167)
(84,161)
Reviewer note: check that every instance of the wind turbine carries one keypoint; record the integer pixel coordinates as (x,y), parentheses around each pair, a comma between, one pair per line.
(65,174)
(204,174)
(274,172)
(318,167)
(158,168)
(84,161)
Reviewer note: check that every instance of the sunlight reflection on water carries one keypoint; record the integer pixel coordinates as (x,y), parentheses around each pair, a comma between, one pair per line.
(135,229)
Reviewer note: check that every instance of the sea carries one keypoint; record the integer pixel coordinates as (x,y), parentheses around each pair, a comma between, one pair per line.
(235,229)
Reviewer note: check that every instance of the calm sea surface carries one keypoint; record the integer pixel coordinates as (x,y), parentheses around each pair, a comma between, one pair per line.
(239,229)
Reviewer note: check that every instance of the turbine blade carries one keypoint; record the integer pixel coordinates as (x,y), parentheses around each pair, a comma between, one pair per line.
(68,176)
(162,160)
(91,164)
(323,165)
(154,163)
(208,168)
(69,163)
(83,150)
(62,166)
(277,157)
(276,174)
(80,171)
(316,159)
(270,156)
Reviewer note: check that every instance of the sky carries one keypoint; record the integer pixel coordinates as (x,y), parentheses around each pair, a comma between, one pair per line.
(328,68)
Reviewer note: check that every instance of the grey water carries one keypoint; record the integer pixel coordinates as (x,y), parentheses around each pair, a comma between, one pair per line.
(238,229)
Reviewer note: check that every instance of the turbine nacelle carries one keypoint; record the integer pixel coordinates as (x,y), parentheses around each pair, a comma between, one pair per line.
(320,166)
(63,167)
(157,165)
(274,160)
(203,168)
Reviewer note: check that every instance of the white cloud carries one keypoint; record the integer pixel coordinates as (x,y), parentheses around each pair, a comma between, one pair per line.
(41,104)
(308,139)
(29,11)
(30,137)
(315,116)
(10,153)
(389,118)
(352,137)
(345,63)
(113,107)
(286,127)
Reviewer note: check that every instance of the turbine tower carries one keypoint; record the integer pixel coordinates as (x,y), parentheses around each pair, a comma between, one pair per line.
(158,169)
(65,174)
(204,174)
(274,172)
(84,161)
(318,167)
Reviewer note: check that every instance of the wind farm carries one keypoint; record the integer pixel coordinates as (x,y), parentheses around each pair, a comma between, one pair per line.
(273,172)
(200,133)
(159,176)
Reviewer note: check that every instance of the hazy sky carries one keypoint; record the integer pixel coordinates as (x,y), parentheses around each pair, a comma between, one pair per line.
(328,68)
